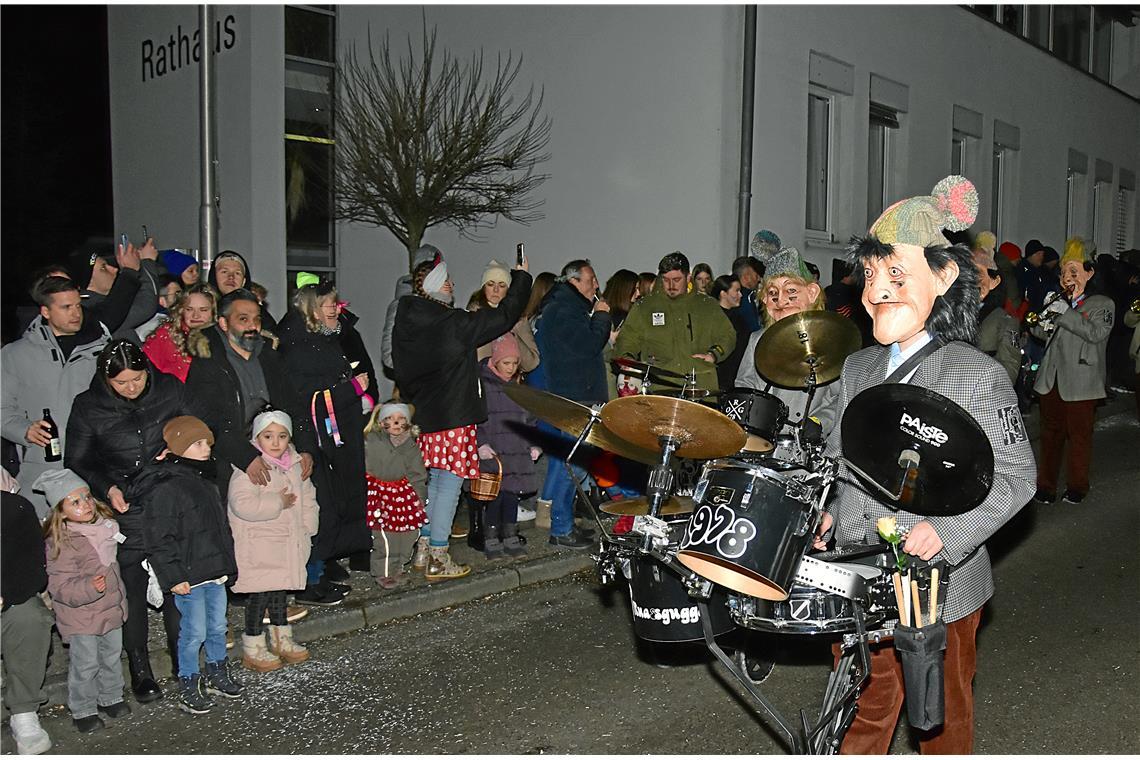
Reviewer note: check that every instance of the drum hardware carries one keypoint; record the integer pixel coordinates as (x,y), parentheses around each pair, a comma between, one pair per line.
(930,455)
(653,528)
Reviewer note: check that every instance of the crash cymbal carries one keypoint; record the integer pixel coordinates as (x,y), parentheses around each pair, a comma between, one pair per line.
(571,417)
(787,349)
(955,458)
(625,364)
(674,505)
(701,432)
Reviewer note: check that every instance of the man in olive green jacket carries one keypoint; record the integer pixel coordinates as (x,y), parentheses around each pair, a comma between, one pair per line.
(676,329)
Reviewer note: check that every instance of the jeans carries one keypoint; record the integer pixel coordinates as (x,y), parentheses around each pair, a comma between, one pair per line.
(203,621)
(443,497)
(314,569)
(559,490)
(94,673)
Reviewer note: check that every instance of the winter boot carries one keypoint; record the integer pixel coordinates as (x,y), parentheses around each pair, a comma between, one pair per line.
(31,739)
(256,657)
(420,557)
(542,514)
(441,567)
(492,544)
(219,681)
(512,544)
(281,644)
(143,685)
(475,535)
(193,698)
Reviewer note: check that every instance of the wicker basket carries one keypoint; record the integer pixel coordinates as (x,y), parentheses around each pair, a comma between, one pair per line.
(486,486)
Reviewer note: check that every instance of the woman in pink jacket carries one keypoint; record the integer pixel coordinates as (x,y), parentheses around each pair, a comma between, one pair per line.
(272,526)
(87,596)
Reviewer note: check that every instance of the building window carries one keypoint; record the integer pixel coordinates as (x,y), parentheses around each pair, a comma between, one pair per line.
(310,46)
(883,122)
(1122,221)
(997,188)
(1037,24)
(1101,46)
(1074,192)
(958,153)
(1071,34)
(819,164)
(1013,18)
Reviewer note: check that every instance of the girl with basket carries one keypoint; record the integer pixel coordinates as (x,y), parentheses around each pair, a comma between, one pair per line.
(504,454)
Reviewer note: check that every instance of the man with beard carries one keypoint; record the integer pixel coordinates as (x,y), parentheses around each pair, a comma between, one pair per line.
(236,372)
(678,330)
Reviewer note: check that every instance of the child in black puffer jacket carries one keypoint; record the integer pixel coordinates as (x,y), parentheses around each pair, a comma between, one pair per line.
(191,549)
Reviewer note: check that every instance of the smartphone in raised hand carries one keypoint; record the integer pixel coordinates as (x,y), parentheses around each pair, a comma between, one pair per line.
(520,254)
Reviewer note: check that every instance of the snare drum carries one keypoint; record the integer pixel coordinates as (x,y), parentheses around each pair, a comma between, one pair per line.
(760,414)
(753,523)
(662,608)
(810,611)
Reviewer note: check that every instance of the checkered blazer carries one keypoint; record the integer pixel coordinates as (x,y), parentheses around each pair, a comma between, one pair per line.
(979,385)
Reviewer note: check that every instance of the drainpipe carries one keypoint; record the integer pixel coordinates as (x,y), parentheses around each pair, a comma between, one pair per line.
(207,211)
(747,106)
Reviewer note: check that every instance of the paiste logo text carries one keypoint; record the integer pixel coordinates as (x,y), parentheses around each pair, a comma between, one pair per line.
(926,433)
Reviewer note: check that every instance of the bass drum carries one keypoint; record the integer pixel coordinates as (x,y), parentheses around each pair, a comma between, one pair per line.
(752,525)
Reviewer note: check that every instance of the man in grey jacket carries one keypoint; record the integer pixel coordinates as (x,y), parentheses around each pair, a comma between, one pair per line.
(919,290)
(46,369)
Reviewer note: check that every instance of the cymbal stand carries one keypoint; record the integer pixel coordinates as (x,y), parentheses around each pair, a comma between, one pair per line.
(843,687)
(660,483)
(594,417)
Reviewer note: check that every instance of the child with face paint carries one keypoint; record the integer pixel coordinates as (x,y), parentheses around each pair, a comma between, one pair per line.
(397,491)
(923,296)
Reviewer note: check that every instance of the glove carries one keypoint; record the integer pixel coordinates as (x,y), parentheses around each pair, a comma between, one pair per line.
(486,452)
(1058,307)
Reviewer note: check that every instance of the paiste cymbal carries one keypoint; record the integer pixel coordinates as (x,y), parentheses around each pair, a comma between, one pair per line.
(571,417)
(956,460)
(787,349)
(674,505)
(700,431)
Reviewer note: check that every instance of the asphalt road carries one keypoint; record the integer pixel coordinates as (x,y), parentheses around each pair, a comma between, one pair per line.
(555,668)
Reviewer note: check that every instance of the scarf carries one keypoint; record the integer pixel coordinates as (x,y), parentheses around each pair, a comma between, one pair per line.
(323,330)
(101,534)
(285,462)
(399,440)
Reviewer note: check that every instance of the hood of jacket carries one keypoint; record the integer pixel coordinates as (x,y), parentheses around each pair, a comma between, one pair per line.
(204,342)
(213,277)
(403,286)
(566,295)
(40,336)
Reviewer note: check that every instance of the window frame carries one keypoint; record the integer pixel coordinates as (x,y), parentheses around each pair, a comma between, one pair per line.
(826,233)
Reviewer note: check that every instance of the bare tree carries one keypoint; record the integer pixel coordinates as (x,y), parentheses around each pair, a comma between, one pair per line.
(427,140)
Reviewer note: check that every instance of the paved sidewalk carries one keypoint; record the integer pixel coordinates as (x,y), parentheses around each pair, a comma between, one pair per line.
(368,605)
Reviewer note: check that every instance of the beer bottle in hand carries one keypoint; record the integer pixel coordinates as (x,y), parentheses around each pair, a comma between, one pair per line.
(53,451)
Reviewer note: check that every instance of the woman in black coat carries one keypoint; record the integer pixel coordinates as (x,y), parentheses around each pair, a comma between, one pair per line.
(726,290)
(330,389)
(114,430)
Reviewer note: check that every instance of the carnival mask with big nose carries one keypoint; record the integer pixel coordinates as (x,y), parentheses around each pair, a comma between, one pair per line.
(899,293)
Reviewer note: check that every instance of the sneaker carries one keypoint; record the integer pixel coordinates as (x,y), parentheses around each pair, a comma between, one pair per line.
(229,639)
(1072,497)
(459,530)
(318,596)
(117,710)
(219,681)
(338,588)
(1045,497)
(192,697)
(31,739)
(335,573)
(575,539)
(526,515)
(293,613)
(88,724)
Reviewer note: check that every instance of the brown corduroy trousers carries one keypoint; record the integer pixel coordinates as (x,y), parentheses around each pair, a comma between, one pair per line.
(882,698)
(1060,421)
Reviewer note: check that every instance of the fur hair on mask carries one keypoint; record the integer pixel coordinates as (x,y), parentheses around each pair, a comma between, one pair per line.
(955,314)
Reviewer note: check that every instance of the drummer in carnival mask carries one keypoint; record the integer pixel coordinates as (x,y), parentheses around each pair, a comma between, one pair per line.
(918,286)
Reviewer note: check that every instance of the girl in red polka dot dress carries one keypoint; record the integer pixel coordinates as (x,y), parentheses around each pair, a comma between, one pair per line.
(397,490)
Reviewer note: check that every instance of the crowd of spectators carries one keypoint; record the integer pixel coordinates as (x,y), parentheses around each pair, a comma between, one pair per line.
(135,377)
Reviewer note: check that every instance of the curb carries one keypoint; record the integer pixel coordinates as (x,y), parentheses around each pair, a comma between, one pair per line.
(348,617)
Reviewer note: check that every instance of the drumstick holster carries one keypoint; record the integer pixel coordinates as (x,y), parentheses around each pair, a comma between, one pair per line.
(923,653)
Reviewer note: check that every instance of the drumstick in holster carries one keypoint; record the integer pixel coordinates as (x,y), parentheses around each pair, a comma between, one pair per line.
(934,595)
(899,599)
(906,595)
(917,604)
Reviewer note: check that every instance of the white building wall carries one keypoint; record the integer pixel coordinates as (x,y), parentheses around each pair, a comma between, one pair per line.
(644,148)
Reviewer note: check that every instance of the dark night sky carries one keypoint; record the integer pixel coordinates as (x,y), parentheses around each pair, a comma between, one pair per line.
(56,155)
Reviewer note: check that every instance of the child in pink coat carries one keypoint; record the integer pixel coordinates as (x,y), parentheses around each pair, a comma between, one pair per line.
(273,526)
(87,594)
